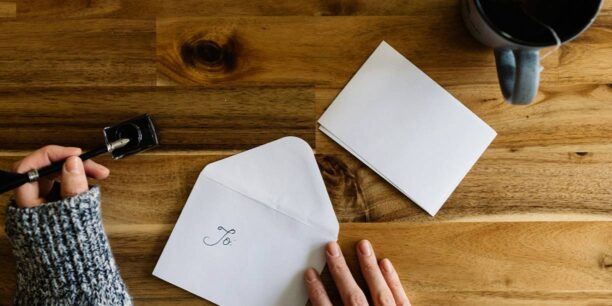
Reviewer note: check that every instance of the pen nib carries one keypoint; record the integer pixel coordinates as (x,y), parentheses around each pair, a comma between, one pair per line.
(118,144)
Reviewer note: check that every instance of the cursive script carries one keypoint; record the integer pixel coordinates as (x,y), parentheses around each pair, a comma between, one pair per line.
(225,239)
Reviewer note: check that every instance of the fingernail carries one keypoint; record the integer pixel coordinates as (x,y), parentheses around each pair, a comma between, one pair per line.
(365,248)
(333,249)
(386,266)
(73,166)
(311,275)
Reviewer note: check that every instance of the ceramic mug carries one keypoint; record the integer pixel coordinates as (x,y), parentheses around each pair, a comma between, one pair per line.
(518,29)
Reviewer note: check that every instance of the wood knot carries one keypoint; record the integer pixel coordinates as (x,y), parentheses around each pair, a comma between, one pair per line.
(340,8)
(344,190)
(580,156)
(606,261)
(209,55)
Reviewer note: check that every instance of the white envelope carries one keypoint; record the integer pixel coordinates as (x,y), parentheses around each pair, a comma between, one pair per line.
(407,128)
(252,225)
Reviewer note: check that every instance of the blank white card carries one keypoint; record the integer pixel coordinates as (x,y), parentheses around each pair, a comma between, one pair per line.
(407,128)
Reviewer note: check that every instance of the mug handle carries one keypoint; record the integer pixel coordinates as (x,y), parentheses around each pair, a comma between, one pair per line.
(518,72)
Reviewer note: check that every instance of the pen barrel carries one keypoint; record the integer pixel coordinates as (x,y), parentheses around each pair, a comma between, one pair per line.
(13,183)
(9,180)
(93,153)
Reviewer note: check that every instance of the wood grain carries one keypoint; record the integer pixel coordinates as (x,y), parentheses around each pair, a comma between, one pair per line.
(326,51)
(455,298)
(507,263)
(8,9)
(304,51)
(595,61)
(502,186)
(160,8)
(95,52)
(531,224)
(563,119)
(573,118)
(194,118)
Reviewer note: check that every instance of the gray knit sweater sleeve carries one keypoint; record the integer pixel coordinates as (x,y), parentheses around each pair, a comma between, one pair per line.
(63,256)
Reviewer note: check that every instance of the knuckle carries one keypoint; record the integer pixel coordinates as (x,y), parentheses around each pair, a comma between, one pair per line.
(395,285)
(317,293)
(47,148)
(356,298)
(369,268)
(337,268)
(384,298)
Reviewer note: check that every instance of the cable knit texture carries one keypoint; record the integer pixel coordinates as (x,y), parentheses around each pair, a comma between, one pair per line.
(63,255)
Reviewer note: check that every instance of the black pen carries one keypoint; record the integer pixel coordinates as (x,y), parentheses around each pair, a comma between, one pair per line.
(11,180)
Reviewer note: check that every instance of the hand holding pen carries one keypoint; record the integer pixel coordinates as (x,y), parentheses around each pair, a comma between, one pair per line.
(73,174)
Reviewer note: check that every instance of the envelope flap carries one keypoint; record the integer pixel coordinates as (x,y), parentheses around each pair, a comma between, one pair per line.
(282,175)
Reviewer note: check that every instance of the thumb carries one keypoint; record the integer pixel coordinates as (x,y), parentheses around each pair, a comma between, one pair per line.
(74,180)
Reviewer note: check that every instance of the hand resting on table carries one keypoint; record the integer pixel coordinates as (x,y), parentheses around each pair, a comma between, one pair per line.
(383,281)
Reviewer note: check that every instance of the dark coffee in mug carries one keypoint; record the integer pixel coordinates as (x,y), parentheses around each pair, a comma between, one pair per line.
(524,20)
(517,29)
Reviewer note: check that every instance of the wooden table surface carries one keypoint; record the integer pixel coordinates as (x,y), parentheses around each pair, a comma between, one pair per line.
(531,224)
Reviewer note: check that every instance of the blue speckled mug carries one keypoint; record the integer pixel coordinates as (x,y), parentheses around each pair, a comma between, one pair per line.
(517,29)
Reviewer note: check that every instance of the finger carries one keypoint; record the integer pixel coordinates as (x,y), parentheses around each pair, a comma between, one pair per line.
(316,290)
(44,157)
(381,294)
(394,283)
(74,180)
(349,290)
(92,169)
(45,184)
(28,195)
(95,170)
(33,194)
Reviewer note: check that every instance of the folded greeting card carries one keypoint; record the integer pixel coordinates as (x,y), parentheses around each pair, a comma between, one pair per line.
(252,225)
(407,128)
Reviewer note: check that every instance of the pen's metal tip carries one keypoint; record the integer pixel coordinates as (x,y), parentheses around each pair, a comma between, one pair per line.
(118,144)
